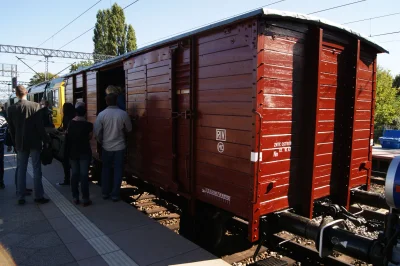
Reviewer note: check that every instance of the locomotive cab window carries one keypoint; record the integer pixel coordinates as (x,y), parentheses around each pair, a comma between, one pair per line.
(55,98)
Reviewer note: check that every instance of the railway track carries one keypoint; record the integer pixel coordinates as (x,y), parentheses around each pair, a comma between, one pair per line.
(288,248)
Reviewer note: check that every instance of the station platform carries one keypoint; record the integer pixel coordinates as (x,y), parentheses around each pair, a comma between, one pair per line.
(384,154)
(105,233)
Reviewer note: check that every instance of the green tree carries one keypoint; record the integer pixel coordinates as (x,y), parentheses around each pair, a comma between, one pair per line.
(38,78)
(111,35)
(396,82)
(130,39)
(386,100)
(75,67)
(101,32)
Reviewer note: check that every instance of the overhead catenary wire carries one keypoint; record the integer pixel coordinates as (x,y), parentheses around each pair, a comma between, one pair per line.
(28,67)
(383,34)
(198,27)
(69,23)
(335,7)
(372,18)
(134,2)
(390,41)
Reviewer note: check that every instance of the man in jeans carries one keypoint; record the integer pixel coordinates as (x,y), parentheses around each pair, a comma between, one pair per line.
(110,128)
(28,134)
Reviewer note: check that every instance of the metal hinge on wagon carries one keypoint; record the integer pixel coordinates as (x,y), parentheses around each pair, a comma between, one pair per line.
(186,114)
(255,155)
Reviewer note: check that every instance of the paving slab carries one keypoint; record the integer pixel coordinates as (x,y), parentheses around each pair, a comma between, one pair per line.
(45,240)
(81,250)
(58,255)
(151,243)
(69,235)
(98,261)
(60,223)
(20,254)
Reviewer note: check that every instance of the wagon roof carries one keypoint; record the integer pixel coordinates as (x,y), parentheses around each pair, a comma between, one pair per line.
(259,12)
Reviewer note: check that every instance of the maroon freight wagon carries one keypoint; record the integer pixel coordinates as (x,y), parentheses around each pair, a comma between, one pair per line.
(261,112)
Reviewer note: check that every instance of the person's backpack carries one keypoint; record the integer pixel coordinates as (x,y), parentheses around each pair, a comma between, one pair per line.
(46,156)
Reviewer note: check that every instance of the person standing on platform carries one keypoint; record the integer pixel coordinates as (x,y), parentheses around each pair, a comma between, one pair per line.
(68,115)
(121,95)
(3,135)
(9,143)
(110,129)
(3,112)
(47,115)
(78,151)
(28,134)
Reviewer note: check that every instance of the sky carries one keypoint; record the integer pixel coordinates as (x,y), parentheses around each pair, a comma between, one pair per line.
(29,23)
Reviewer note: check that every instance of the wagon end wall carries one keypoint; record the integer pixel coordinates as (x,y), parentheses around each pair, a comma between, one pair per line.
(318,94)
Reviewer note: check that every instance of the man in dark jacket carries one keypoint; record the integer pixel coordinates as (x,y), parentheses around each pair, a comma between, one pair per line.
(28,133)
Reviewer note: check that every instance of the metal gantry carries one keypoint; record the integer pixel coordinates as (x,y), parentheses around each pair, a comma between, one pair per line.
(8,70)
(12,49)
(4,82)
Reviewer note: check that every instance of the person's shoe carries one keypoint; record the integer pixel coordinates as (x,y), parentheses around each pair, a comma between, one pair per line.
(2,186)
(76,201)
(106,197)
(115,200)
(27,193)
(64,183)
(29,190)
(21,202)
(87,203)
(42,200)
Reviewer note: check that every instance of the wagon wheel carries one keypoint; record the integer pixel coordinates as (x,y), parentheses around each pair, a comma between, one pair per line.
(210,229)
(206,229)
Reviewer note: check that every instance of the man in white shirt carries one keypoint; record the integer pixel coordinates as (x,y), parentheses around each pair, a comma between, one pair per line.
(110,128)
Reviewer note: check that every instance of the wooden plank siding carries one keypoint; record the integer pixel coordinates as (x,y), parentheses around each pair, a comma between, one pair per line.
(365,96)
(79,81)
(326,117)
(91,96)
(280,78)
(225,78)
(148,103)
(69,94)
